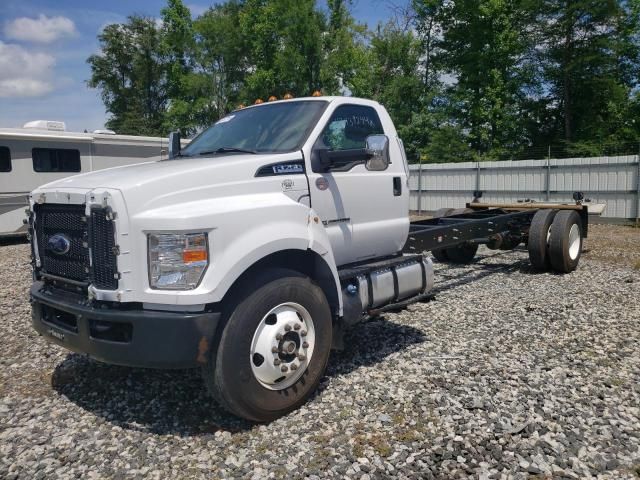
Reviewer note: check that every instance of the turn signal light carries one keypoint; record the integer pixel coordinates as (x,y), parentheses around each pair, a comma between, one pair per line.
(190,256)
(287,96)
(272,98)
(258,101)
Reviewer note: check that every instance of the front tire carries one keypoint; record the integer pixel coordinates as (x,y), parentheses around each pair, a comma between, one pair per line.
(274,347)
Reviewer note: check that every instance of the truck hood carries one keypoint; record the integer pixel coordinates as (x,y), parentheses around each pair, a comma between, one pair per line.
(184,179)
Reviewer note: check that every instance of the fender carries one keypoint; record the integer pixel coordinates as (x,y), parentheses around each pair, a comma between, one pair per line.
(242,229)
(315,240)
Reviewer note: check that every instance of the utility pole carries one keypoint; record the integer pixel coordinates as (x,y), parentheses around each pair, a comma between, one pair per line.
(419,184)
(548,172)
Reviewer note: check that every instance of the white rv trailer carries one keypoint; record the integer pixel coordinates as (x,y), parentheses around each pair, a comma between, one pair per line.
(42,151)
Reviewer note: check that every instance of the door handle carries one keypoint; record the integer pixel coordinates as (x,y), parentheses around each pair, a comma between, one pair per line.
(397,186)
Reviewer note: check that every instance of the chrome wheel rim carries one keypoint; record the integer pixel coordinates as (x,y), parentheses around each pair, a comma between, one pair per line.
(574,241)
(282,346)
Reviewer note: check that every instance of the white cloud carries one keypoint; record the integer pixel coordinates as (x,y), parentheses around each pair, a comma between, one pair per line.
(24,73)
(40,30)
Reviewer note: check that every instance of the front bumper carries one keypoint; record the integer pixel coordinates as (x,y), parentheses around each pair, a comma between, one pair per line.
(135,337)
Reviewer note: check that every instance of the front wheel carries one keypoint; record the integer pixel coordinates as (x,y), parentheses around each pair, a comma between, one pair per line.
(273,349)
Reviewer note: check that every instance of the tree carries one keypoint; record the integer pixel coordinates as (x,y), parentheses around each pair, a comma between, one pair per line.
(345,51)
(284,47)
(484,48)
(130,72)
(590,59)
(462,79)
(222,60)
(426,18)
(178,45)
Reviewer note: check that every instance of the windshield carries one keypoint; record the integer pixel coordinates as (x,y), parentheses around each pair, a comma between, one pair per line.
(276,128)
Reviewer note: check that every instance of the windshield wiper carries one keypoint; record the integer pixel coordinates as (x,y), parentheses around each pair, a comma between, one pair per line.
(229,150)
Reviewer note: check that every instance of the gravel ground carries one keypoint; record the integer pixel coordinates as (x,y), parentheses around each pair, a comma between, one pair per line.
(615,244)
(506,374)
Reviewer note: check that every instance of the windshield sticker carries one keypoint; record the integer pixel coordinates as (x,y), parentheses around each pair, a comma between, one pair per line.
(226,119)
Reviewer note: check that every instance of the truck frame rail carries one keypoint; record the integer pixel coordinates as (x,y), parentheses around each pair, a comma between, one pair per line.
(482,224)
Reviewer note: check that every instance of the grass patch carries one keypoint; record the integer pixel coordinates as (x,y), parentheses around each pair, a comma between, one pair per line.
(381,446)
(616,382)
(321,439)
(377,442)
(636,265)
(408,436)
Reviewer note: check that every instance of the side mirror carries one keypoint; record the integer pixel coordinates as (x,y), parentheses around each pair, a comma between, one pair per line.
(174,145)
(378,147)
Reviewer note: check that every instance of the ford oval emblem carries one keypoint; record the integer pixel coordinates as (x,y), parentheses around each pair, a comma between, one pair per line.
(59,244)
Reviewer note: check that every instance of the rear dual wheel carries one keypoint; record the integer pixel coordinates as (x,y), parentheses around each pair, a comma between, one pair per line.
(565,242)
(555,240)
(539,234)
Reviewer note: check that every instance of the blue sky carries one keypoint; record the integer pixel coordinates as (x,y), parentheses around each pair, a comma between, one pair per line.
(44,45)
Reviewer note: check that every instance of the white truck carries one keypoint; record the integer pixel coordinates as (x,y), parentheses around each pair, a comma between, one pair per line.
(251,250)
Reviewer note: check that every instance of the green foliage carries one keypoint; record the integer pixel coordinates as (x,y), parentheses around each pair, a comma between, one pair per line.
(345,55)
(130,73)
(284,46)
(463,80)
(482,46)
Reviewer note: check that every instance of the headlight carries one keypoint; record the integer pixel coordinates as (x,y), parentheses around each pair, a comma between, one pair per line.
(177,260)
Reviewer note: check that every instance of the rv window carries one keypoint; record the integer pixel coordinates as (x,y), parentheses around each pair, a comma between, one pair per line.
(5,159)
(55,160)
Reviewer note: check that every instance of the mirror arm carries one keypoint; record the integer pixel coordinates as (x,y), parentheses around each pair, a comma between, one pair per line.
(174,145)
(330,160)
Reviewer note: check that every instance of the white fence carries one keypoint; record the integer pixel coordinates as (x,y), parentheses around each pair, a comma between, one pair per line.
(614,181)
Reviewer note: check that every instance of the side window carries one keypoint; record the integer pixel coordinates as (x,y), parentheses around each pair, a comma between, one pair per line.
(349,127)
(55,160)
(5,159)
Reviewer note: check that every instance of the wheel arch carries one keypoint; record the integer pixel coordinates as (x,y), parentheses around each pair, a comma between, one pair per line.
(307,262)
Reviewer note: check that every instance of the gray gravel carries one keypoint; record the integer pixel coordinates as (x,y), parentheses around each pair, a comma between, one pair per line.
(506,374)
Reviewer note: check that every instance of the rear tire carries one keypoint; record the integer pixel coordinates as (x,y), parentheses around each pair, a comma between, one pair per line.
(241,372)
(565,242)
(538,244)
(440,254)
(462,254)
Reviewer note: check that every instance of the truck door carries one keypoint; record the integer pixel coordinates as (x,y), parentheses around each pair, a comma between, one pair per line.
(363,206)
